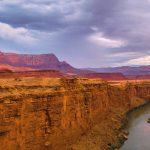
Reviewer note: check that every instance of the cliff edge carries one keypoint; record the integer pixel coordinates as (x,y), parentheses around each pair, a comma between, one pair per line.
(45,114)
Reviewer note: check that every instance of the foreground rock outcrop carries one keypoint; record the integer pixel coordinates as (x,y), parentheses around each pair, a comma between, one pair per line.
(42,113)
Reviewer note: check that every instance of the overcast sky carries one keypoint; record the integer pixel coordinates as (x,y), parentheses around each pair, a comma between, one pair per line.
(85,33)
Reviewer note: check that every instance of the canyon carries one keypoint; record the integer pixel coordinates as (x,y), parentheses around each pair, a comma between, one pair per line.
(47,104)
(66,113)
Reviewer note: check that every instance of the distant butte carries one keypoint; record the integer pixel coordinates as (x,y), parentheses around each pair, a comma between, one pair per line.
(41,62)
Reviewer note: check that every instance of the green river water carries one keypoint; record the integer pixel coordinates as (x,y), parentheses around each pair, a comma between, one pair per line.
(139,129)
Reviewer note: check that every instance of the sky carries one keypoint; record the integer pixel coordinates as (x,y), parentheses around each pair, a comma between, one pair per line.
(85,33)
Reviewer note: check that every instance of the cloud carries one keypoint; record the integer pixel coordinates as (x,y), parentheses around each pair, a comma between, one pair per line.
(40,8)
(99,32)
(124,54)
(9,2)
(19,35)
(139,61)
(101,40)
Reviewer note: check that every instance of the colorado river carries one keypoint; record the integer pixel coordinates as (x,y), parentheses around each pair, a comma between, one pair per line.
(139,129)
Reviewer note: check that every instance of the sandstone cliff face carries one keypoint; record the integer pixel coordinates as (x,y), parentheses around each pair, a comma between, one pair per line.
(4,68)
(42,113)
(41,61)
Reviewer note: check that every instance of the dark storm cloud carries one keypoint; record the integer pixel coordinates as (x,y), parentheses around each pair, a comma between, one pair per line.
(97,32)
(75,13)
(19,17)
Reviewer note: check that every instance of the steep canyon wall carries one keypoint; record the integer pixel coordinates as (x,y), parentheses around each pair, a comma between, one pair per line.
(45,114)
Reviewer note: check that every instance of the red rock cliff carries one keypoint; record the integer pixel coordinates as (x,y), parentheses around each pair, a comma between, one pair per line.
(52,113)
(41,61)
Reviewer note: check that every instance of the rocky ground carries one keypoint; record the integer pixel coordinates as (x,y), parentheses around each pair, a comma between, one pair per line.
(79,114)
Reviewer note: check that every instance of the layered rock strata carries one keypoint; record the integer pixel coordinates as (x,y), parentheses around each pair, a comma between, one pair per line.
(45,114)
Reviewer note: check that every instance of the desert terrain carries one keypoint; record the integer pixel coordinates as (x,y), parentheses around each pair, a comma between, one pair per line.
(74,75)
(66,113)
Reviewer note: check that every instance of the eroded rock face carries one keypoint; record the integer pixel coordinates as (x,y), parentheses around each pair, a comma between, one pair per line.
(41,61)
(41,114)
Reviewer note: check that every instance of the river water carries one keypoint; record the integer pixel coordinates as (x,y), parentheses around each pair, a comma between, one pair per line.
(139,129)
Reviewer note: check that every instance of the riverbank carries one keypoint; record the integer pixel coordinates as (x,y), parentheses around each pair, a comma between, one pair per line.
(139,129)
(110,133)
(125,122)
